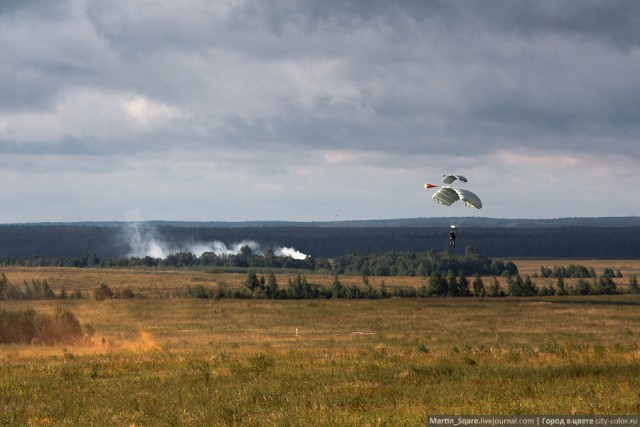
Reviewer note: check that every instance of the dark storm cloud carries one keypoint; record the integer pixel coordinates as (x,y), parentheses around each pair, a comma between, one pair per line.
(615,22)
(381,88)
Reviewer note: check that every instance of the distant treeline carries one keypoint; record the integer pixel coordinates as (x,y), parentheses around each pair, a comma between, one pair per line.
(576,272)
(69,241)
(438,284)
(299,287)
(382,264)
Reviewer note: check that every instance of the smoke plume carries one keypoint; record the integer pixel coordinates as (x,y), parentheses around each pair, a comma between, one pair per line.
(146,241)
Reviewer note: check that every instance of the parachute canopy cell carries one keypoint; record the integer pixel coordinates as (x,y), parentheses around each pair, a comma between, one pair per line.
(448,179)
(469,198)
(449,195)
(446,196)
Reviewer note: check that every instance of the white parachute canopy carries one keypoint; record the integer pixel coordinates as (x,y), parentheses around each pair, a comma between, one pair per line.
(449,195)
(448,179)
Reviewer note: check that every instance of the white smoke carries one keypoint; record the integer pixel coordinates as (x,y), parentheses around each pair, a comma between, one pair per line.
(219,248)
(145,241)
(290,252)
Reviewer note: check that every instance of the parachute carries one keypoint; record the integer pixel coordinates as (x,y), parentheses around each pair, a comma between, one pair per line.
(448,195)
(448,179)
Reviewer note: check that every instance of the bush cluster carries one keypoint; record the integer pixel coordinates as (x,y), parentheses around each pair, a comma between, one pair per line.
(437,285)
(33,290)
(30,327)
(104,292)
(576,272)
(299,287)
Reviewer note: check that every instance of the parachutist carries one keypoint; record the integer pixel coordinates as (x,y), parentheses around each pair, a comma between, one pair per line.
(448,195)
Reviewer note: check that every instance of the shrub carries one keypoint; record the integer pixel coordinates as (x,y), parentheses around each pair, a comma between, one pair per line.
(199,291)
(29,327)
(103,292)
(126,293)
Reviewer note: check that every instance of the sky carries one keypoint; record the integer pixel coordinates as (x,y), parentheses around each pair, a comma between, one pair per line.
(317,110)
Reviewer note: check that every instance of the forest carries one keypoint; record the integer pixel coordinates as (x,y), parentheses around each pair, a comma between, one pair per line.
(25,241)
(380,264)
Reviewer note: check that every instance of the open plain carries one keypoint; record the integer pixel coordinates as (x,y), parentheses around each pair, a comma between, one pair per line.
(158,359)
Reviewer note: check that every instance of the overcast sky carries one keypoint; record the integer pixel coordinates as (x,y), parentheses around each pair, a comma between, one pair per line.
(316,110)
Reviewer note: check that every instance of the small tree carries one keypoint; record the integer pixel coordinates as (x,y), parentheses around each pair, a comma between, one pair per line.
(607,284)
(494,288)
(369,292)
(584,287)
(478,286)
(452,284)
(529,288)
(245,250)
(102,292)
(126,293)
(383,290)
(546,291)
(305,286)
(4,285)
(337,289)
(298,288)
(437,285)
(252,281)
(272,286)
(560,287)
(514,286)
(633,285)
(463,286)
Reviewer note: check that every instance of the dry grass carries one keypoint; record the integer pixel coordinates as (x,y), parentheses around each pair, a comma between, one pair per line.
(627,266)
(163,281)
(320,362)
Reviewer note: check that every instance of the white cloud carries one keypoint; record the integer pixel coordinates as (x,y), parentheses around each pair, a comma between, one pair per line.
(147,113)
(91,114)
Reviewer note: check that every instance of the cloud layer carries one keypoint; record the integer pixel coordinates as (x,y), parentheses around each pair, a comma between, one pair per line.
(245,110)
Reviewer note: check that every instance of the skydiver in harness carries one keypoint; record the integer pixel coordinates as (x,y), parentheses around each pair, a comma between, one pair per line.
(447,195)
(452,236)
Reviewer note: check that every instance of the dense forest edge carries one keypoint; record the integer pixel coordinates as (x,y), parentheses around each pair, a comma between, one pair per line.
(406,264)
(563,238)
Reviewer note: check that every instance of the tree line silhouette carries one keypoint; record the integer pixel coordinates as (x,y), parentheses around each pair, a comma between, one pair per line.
(73,241)
(376,264)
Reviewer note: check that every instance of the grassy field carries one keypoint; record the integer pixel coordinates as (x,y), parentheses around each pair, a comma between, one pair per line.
(158,282)
(177,361)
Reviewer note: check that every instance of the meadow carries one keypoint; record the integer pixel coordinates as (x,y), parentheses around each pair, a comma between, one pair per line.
(160,360)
